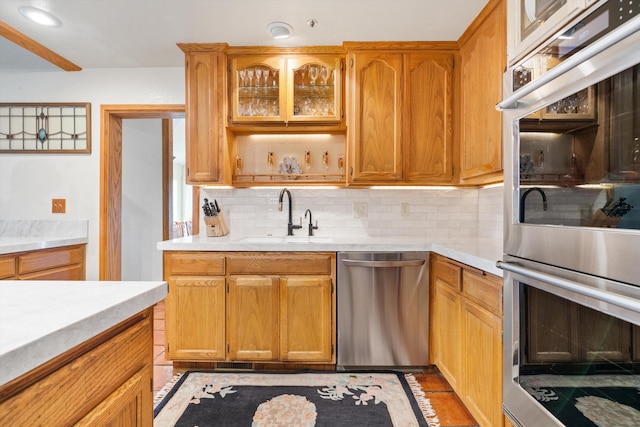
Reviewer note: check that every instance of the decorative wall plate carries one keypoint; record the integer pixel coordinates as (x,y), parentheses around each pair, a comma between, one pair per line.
(290,166)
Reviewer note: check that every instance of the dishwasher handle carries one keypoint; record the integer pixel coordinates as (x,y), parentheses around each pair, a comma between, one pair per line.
(383,264)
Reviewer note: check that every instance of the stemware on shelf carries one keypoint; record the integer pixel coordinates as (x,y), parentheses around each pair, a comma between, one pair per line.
(313,74)
(250,76)
(307,159)
(271,161)
(325,160)
(324,75)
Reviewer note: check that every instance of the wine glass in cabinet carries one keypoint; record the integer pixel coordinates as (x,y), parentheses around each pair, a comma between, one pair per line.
(258,89)
(314,88)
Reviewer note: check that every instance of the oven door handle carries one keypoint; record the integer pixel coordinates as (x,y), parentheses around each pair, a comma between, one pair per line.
(615,299)
(587,53)
(384,264)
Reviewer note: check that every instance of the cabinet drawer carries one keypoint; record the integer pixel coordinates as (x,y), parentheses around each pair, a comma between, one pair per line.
(447,273)
(70,272)
(50,258)
(7,267)
(485,290)
(194,263)
(279,263)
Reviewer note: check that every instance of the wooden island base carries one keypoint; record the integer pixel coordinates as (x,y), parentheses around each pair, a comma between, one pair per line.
(107,380)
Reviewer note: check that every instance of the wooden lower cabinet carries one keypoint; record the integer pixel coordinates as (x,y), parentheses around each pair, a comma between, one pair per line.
(63,263)
(251,307)
(449,336)
(105,381)
(195,318)
(467,336)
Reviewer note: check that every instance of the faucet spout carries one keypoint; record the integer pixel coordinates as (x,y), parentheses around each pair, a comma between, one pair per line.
(311,226)
(290,226)
(524,197)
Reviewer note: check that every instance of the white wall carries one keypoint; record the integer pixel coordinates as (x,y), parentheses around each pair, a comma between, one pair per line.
(141,199)
(28,182)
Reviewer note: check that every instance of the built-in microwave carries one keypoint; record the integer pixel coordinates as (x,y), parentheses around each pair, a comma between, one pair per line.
(533,21)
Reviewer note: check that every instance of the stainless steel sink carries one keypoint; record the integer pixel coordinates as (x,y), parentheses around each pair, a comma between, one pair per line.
(286,239)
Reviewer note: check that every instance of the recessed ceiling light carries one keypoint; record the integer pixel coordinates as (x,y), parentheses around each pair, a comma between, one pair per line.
(39,16)
(280,30)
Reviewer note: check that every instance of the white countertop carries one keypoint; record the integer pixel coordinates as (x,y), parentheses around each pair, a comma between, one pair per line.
(40,320)
(479,254)
(10,245)
(28,235)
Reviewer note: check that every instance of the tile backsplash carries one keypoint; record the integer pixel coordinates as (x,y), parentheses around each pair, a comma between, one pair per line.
(442,215)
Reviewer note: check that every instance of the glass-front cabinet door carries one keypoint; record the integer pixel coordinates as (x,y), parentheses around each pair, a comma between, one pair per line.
(286,88)
(258,89)
(315,87)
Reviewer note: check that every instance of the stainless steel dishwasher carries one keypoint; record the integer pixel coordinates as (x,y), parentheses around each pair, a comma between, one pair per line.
(383,309)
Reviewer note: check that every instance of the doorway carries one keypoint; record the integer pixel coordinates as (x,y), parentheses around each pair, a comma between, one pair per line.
(111,116)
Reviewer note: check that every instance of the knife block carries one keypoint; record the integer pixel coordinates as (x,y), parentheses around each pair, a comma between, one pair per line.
(599,219)
(216,225)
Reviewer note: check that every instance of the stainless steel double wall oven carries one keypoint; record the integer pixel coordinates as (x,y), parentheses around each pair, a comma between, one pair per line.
(572,224)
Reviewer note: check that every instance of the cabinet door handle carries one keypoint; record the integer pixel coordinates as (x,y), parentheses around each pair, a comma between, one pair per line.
(587,53)
(384,264)
(609,297)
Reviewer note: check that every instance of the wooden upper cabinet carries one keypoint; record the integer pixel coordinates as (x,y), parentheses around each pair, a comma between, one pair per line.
(283,87)
(400,114)
(375,143)
(314,88)
(428,133)
(205,112)
(483,58)
(258,89)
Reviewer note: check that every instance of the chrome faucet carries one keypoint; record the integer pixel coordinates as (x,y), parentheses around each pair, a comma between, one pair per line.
(311,226)
(524,196)
(290,226)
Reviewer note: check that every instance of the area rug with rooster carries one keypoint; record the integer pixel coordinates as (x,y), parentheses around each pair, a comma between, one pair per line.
(294,399)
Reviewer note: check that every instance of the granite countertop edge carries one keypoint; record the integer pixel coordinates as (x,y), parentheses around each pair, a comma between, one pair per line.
(9,245)
(40,320)
(477,253)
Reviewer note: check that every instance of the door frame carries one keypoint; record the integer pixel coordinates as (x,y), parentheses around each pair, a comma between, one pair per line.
(110,259)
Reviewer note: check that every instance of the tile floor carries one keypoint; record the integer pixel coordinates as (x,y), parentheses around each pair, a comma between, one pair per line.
(450,410)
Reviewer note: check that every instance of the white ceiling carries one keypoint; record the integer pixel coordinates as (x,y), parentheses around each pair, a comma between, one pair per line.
(144,33)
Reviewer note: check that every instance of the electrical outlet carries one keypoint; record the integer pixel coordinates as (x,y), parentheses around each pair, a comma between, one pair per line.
(58,205)
(360,210)
(405,209)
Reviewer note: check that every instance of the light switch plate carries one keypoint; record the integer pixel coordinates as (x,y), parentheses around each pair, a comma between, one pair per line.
(58,205)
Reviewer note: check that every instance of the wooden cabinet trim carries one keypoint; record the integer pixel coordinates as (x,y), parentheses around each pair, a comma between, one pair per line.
(50,258)
(77,381)
(194,263)
(7,267)
(484,290)
(280,263)
(447,274)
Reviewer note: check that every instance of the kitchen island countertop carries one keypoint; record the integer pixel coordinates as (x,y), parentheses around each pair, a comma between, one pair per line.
(40,320)
(478,253)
